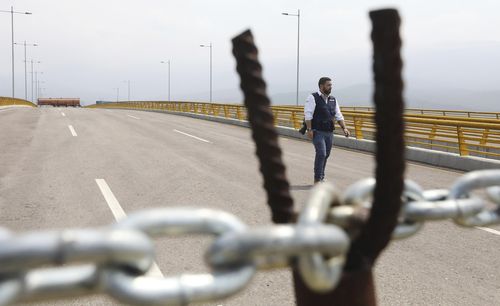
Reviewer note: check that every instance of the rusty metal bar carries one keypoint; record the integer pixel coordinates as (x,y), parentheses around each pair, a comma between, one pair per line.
(389,173)
(357,286)
(264,134)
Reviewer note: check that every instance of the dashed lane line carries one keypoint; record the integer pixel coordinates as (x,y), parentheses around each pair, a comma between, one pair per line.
(192,136)
(119,214)
(72,130)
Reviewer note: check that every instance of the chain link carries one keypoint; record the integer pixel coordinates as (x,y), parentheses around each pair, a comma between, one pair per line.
(320,274)
(114,260)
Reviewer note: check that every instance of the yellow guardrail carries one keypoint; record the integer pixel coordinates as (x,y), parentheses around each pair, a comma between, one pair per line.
(5,101)
(421,111)
(465,135)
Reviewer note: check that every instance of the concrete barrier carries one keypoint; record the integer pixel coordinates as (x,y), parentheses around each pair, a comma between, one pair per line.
(425,156)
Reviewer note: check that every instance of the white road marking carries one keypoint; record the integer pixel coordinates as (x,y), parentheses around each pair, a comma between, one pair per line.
(489,230)
(189,135)
(119,214)
(63,114)
(134,117)
(110,198)
(72,130)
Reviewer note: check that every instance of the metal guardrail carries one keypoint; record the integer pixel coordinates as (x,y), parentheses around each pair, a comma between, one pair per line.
(443,112)
(5,101)
(421,111)
(465,135)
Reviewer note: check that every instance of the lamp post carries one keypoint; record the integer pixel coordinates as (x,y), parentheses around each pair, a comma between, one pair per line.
(209,46)
(128,89)
(168,83)
(37,83)
(39,89)
(33,62)
(26,67)
(12,12)
(298,50)
(117,93)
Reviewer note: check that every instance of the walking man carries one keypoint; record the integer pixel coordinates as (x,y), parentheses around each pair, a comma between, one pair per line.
(321,110)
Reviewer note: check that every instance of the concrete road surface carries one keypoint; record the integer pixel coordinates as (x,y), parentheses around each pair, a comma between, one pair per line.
(50,159)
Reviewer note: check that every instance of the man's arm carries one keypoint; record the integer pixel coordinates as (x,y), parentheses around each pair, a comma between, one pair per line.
(309,124)
(309,107)
(340,119)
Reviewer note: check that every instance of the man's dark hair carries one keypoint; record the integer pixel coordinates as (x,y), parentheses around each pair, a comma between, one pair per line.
(323,80)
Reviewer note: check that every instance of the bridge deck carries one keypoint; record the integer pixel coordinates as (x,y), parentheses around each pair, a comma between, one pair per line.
(48,179)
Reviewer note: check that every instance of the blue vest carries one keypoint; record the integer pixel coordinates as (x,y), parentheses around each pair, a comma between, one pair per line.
(324,113)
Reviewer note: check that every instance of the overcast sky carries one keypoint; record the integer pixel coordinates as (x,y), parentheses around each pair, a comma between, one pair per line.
(89,47)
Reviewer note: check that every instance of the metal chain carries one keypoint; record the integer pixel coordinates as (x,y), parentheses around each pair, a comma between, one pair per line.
(114,260)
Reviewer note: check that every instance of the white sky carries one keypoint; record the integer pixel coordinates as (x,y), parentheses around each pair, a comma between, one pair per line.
(90,47)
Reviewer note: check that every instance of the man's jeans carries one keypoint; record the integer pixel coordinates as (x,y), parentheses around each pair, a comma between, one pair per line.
(323,144)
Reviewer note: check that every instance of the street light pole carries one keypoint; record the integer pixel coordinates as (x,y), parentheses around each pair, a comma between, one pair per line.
(168,82)
(37,84)
(26,68)
(298,51)
(12,43)
(32,76)
(32,80)
(128,89)
(12,12)
(209,46)
(39,91)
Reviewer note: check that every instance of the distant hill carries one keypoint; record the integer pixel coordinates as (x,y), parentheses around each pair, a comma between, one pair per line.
(361,95)
(415,97)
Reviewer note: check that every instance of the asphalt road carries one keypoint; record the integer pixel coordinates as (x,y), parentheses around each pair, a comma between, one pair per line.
(48,173)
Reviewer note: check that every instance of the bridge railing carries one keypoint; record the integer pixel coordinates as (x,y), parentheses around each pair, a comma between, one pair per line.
(464,135)
(6,101)
(421,111)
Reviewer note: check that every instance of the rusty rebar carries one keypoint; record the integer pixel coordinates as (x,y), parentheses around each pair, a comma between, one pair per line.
(264,133)
(357,285)
(389,173)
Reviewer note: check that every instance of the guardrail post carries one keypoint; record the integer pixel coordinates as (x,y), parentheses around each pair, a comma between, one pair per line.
(358,128)
(238,113)
(484,139)
(432,135)
(295,123)
(462,145)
